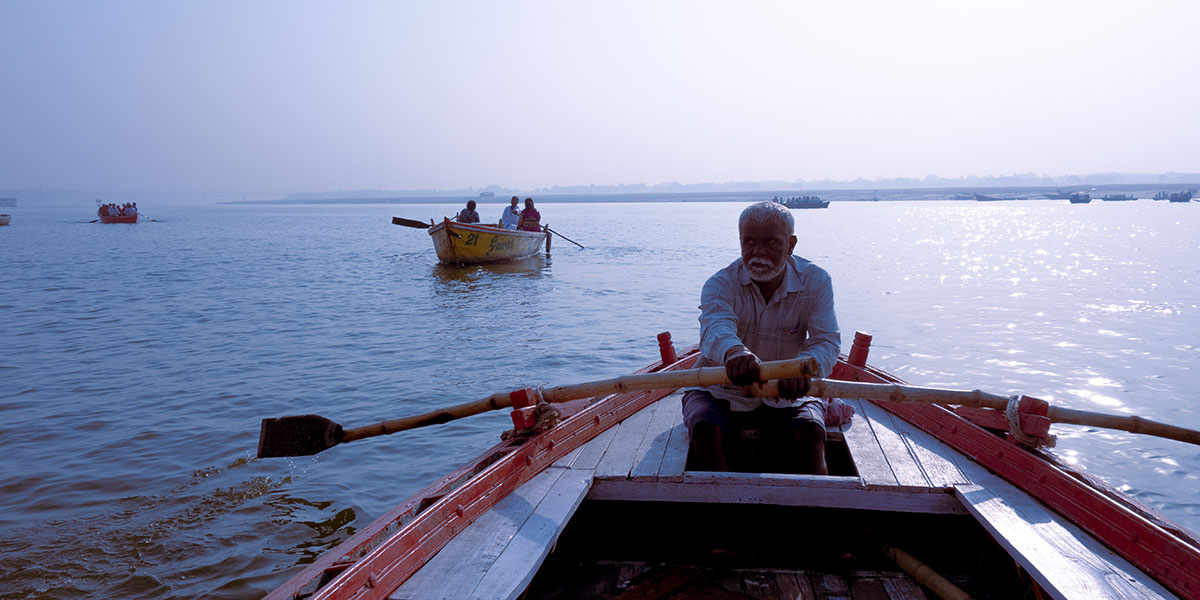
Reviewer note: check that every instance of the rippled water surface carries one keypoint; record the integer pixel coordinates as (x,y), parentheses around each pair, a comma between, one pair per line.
(137,360)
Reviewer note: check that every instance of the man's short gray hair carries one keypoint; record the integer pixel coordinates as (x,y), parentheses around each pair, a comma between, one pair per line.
(768,212)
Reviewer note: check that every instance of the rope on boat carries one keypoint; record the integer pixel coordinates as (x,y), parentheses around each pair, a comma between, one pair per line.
(546,415)
(1013,414)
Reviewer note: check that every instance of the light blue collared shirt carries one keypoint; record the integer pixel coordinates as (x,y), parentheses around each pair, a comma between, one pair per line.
(798,321)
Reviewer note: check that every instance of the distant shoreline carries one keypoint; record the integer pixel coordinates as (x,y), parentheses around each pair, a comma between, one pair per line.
(1139,190)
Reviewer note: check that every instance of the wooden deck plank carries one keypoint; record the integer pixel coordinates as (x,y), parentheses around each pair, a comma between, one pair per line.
(936,459)
(828,586)
(519,561)
(653,448)
(900,458)
(1063,559)
(793,586)
(457,569)
(675,457)
(759,583)
(594,450)
(867,588)
(569,458)
(903,588)
(869,459)
(618,460)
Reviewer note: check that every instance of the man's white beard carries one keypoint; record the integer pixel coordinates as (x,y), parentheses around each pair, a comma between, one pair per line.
(762,270)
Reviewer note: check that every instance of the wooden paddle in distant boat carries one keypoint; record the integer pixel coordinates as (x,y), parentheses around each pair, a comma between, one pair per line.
(309,434)
(410,223)
(565,238)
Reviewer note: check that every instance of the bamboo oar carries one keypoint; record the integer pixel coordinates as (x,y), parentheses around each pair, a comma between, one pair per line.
(830,388)
(565,238)
(309,434)
(410,223)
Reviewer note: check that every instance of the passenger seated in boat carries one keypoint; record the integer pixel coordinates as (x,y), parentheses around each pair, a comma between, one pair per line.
(468,214)
(767,305)
(511,216)
(531,219)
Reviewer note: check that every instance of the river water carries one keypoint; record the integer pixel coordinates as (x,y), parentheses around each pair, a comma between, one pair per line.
(137,360)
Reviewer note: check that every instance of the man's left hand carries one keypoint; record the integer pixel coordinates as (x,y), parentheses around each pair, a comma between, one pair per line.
(793,388)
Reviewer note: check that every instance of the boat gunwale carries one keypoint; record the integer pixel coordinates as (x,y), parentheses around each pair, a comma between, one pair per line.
(484,229)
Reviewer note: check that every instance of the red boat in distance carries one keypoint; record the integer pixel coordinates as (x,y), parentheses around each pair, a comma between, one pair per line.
(112,213)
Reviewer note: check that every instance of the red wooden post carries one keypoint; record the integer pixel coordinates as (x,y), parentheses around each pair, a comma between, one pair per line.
(858,352)
(666,349)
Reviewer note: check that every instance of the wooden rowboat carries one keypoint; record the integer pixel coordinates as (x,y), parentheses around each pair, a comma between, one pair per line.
(921,499)
(472,243)
(109,217)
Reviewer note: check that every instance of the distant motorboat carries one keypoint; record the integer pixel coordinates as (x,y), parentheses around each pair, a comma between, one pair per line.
(1079,197)
(4,219)
(981,198)
(804,202)
(1118,198)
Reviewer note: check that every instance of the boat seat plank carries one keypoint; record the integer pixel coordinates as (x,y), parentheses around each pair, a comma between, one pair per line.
(618,460)
(936,459)
(774,489)
(653,449)
(1064,560)
(519,562)
(899,456)
(869,459)
(457,569)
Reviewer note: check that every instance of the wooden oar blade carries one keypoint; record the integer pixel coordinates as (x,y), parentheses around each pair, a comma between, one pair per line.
(301,435)
(410,223)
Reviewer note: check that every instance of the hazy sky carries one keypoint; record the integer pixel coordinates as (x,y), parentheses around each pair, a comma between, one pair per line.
(311,96)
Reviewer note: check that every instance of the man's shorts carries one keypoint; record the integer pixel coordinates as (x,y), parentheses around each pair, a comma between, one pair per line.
(702,406)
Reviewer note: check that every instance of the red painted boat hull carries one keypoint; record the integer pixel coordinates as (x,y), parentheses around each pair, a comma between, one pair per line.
(118,218)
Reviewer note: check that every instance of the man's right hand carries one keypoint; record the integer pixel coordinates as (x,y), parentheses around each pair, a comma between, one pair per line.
(741,366)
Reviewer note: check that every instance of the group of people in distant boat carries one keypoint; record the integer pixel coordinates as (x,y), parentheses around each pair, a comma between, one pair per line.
(525,220)
(121,210)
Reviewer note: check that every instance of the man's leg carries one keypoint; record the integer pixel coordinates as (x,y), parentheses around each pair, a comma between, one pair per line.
(804,438)
(707,420)
(808,441)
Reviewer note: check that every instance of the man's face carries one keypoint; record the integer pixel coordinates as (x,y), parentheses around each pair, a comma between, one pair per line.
(514,202)
(765,248)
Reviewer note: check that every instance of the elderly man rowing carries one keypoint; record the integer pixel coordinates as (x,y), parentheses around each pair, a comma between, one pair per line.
(767,305)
